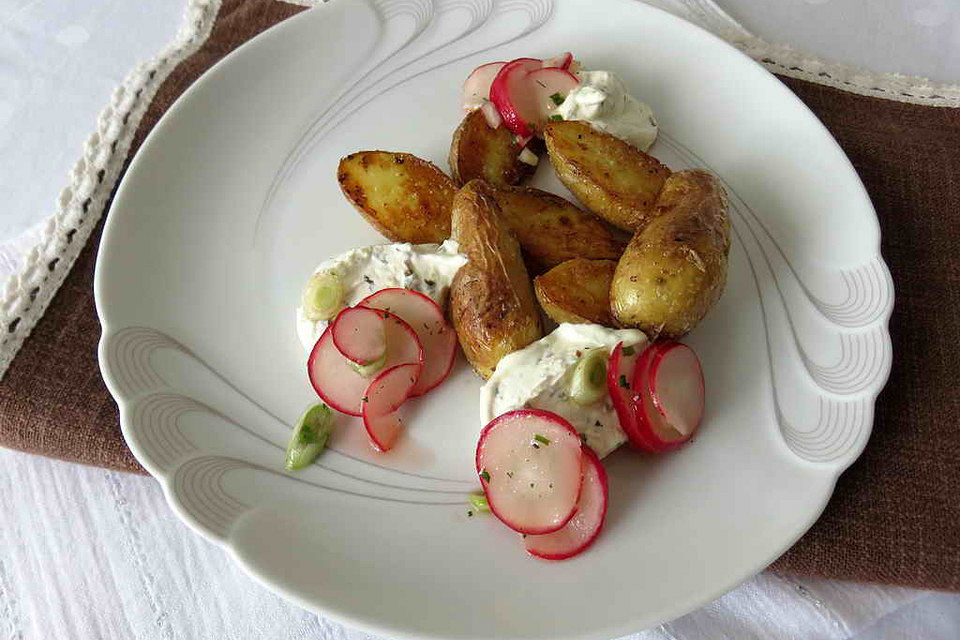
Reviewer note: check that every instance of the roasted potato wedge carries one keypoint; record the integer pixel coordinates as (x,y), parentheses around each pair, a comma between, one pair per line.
(478,151)
(577,291)
(612,178)
(403,197)
(552,230)
(491,299)
(675,268)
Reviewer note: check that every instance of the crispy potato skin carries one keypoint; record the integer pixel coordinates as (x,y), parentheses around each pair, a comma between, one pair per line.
(612,178)
(405,198)
(577,291)
(675,268)
(552,230)
(492,305)
(478,151)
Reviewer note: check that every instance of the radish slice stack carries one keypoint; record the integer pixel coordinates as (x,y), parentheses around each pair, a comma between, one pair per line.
(542,481)
(438,339)
(659,399)
(522,93)
(394,345)
(585,526)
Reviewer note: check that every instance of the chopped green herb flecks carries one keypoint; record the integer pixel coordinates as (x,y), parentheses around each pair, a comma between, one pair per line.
(541,439)
(629,351)
(557,99)
(623,382)
(309,437)
(556,117)
(368,279)
(485,475)
(509,474)
(479,503)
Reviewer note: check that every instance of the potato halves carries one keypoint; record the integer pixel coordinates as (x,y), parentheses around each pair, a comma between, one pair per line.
(491,299)
(405,198)
(577,291)
(612,178)
(675,268)
(479,151)
(552,230)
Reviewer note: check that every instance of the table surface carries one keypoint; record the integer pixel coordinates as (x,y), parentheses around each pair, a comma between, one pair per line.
(89,553)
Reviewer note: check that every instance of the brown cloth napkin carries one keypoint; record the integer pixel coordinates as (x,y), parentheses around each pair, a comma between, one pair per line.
(895,515)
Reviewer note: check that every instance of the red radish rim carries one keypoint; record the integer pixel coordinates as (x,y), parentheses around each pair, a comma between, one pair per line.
(534,413)
(654,443)
(654,396)
(333,334)
(567,60)
(453,352)
(368,419)
(324,396)
(499,94)
(383,374)
(313,354)
(593,459)
(625,400)
(463,92)
(537,413)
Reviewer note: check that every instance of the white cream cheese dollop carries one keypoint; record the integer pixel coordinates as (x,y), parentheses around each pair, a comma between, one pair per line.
(427,268)
(538,377)
(602,100)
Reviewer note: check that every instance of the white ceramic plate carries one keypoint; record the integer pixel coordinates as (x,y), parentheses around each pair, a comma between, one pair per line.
(232,201)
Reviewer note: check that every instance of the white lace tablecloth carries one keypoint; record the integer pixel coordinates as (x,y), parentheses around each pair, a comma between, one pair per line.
(88,553)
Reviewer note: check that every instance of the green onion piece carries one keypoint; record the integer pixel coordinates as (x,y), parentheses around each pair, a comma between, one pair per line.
(589,381)
(557,99)
(623,382)
(541,439)
(322,298)
(309,437)
(479,503)
(556,117)
(367,370)
(485,475)
(628,351)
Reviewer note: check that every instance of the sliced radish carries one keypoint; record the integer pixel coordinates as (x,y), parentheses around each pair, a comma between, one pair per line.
(514,97)
(548,84)
(335,378)
(476,88)
(529,463)
(578,534)
(359,335)
(620,374)
(656,435)
(382,400)
(562,61)
(676,387)
(438,339)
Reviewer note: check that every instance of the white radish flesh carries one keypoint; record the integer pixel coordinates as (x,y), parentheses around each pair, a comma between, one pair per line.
(359,335)
(476,88)
(676,387)
(549,86)
(562,61)
(578,534)
(655,433)
(437,338)
(335,378)
(382,400)
(529,462)
(514,97)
